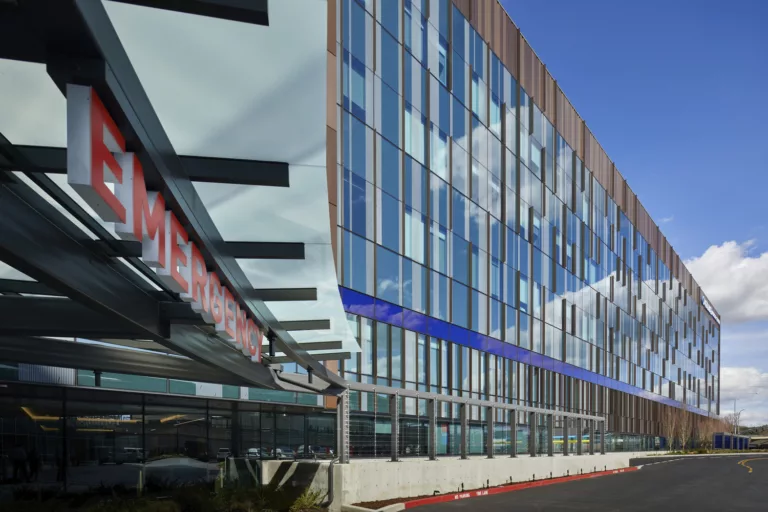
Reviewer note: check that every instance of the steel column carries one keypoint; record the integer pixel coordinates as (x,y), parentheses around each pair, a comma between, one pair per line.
(513,432)
(342,427)
(580,435)
(550,435)
(394,414)
(464,414)
(566,440)
(489,419)
(591,426)
(432,416)
(602,437)
(532,433)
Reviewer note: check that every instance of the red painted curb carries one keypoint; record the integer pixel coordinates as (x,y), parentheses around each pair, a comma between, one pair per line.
(510,488)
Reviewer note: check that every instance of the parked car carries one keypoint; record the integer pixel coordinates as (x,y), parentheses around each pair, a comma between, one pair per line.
(253,453)
(314,452)
(223,454)
(285,453)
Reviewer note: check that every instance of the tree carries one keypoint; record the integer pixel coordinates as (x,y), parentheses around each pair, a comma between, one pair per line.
(704,431)
(685,422)
(669,425)
(729,423)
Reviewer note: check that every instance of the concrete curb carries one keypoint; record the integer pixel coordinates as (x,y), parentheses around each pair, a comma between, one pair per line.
(511,488)
(395,507)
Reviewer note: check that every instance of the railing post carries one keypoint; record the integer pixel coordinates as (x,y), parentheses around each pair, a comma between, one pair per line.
(579,435)
(489,420)
(432,415)
(550,435)
(532,433)
(591,425)
(513,432)
(394,414)
(342,427)
(566,440)
(602,437)
(464,414)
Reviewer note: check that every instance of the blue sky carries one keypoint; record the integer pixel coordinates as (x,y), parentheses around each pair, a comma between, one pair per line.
(676,94)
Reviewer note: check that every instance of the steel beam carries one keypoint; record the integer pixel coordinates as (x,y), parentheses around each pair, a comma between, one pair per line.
(333,356)
(238,172)
(85,356)
(532,432)
(33,243)
(244,250)
(489,423)
(306,325)
(263,250)
(321,345)
(58,317)
(251,11)
(283,294)
(53,160)
(26,287)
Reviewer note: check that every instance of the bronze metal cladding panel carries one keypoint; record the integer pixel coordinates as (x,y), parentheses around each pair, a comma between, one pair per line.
(331,79)
(498,20)
(538,80)
(526,67)
(631,201)
(464,7)
(330,167)
(331,34)
(550,104)
(618,189)
(511,49)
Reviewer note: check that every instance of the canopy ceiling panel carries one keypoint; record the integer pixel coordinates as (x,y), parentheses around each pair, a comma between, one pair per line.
(32,110)
(251,92)
(234,90)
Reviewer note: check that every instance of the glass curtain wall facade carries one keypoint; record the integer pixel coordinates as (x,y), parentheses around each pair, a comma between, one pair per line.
(87,438)
(478,255)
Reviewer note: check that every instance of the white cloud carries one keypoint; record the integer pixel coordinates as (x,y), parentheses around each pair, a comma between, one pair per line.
(734,282)
(749,385)
(666,220)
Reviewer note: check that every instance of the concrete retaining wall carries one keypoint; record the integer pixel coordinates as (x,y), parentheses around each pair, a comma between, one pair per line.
(372,480)
(294,477)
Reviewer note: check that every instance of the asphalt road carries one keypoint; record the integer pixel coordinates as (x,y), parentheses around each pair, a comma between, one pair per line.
(700,484)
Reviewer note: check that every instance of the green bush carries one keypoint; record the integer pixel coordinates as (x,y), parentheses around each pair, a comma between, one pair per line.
(309,501)
(166,497)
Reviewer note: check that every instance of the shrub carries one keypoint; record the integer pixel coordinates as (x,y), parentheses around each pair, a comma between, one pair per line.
(309,501)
